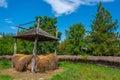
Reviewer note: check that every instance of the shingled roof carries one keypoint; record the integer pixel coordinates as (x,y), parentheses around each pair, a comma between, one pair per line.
(30,35)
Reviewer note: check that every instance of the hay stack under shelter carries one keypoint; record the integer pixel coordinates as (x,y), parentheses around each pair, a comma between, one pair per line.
(22,62)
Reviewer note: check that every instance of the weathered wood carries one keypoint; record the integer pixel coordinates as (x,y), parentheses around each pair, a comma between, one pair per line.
(15,47)
(56,44)
(27,23)
(34,55)
(23,28)
(35,50)
(15,43)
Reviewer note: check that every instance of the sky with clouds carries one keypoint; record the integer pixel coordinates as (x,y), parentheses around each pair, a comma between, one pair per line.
(68,12)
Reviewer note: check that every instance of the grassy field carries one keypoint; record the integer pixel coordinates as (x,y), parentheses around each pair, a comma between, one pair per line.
(78,71)
(82,71)
(5,77)
(5,64)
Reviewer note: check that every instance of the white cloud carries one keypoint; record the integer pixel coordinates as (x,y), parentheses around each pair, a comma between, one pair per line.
(13,27)
(9,21)
(68,6)
(3,3)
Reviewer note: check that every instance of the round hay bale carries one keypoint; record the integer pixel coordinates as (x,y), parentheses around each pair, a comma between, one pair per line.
(47,62)
(15,58)
(21,62)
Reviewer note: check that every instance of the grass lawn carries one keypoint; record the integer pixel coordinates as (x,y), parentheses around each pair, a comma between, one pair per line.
(4,64)
(5,77)
(80,71)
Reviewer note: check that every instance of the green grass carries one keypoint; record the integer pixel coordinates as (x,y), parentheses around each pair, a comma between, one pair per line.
(4,64)
(78,71)
(5,77)
(82,71)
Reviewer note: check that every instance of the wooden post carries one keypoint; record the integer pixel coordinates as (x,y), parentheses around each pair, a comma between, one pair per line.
(35,49)
(34,55)
(56,42)
(15,47)
(15,44)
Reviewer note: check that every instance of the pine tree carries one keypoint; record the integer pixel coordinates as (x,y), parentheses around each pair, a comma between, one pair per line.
(103,39)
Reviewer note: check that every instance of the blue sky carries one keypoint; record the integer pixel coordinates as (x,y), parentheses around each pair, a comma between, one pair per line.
(68,12)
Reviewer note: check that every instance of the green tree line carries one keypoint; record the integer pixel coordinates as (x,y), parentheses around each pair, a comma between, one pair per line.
(101,40)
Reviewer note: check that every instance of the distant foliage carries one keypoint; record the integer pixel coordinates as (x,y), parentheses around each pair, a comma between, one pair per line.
(6,44)
(75,40)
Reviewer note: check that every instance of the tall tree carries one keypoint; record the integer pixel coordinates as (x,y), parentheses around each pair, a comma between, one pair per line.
(103,39)
(74,42)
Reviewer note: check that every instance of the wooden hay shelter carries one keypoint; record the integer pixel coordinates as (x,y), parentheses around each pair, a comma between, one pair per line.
(37,62)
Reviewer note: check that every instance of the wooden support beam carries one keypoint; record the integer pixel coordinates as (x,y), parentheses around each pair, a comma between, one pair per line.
(15,47)
(34,55)
(27,23)
(15,44)
(35,50)
(56,41)
(23,28)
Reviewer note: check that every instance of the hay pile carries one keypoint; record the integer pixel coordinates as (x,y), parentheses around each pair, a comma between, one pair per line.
(46,62)
(22,62)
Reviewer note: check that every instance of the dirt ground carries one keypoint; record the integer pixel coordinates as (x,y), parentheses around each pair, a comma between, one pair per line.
(29,76)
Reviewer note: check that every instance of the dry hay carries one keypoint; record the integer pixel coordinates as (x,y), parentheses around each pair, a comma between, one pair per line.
(44,63)
(20,61)
(47,62)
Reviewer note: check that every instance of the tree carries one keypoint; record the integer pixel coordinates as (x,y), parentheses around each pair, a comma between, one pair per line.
(74,42)
(103,39)
(49,25)
(6,44)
